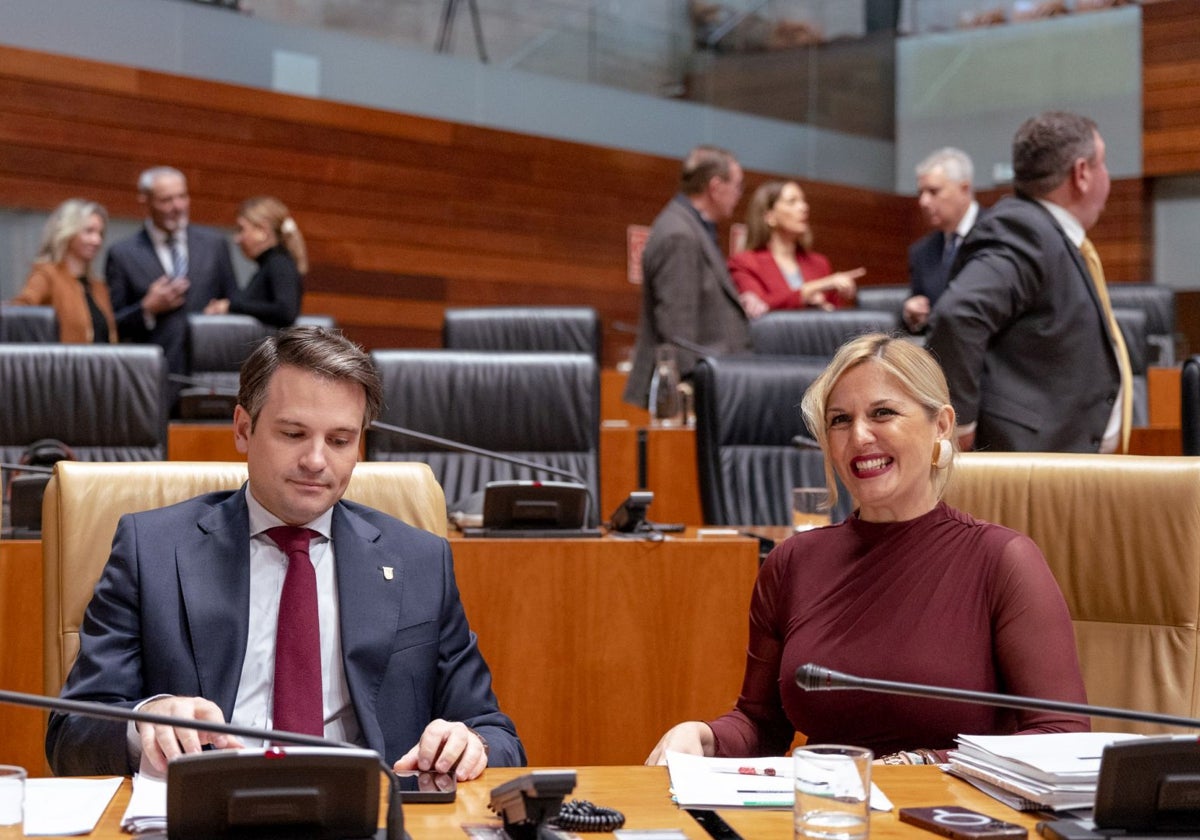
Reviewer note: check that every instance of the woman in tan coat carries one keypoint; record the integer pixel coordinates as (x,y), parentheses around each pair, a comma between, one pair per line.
(62,277)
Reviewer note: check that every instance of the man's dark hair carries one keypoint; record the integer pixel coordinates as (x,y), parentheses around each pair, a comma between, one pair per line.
(701,164)
(1045,148)
(317,350)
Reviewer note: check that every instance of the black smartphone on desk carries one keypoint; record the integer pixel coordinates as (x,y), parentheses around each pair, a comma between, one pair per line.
(422,786)
(962,823)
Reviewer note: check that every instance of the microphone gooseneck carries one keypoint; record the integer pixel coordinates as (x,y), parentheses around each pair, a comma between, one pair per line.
(812,677)
(29,468)
(395,816)
(457,446)
(106,712)
(192,382)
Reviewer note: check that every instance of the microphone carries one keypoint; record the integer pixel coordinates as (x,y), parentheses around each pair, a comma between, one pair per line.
(203,400)
(87,708)
(192,382)
(812,677)
(805,442)
(7,465)
(466,448)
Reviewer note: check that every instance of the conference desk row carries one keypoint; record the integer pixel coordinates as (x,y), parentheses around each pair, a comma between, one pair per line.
(596,646)
(667,457)
(642,795)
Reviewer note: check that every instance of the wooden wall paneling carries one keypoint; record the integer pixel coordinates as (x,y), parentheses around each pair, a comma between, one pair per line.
(403,215)
(1171,87)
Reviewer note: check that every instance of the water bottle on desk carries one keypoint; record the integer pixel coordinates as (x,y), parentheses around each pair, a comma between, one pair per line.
(666,403)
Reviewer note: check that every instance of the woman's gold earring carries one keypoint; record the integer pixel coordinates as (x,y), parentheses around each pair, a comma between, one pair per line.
(943,452)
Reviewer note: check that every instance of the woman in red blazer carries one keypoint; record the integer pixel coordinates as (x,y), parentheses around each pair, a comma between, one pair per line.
(778,269)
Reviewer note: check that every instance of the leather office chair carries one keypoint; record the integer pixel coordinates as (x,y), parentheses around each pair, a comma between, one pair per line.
(813,333)
(217,346)
(1158,302)
(888,298)
(28,324)
(544,407)
(84,501)
(559,329)
(1121,534)
(1190,405)
(326,321)
(104,401)
(747,415)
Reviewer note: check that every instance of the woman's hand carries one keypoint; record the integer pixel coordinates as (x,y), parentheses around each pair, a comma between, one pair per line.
(692,737)
(845,283)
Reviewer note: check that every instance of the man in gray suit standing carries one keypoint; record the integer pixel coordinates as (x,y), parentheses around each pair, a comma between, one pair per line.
(687,294)
(1025,331)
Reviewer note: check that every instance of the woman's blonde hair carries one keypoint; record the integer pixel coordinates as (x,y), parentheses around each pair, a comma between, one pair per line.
(913,367)
(273,214)
(758,232)
(64,224)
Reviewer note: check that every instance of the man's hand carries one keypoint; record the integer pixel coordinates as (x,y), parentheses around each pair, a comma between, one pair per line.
(446,747)
(217,306)
(916,312)
(162,743)
(164,295)
(754,306)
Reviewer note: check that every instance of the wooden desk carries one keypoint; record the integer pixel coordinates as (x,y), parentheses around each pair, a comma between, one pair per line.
(641,793)
(596,646)
(201,442)
(22,731)
(612,406)
(671,471)
(1164,387)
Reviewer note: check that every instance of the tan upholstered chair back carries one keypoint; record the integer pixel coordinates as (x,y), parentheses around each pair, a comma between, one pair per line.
(84,501)
(1122,535)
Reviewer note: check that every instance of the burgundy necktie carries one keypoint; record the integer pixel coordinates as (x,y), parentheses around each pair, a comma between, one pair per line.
(298,701)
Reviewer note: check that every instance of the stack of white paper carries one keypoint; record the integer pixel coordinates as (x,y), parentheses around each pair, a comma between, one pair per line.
(1057,770)
(699,782)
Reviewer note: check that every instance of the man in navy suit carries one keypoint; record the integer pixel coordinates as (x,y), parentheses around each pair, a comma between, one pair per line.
(166,270)
(1024,332)
(947,200)
(184,618)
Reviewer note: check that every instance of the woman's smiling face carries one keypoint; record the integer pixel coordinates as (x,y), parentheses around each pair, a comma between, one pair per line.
(881,444)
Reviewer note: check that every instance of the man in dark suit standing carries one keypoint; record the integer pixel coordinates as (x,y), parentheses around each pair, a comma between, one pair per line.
(947,200)
(282,606)
(687,293)
(1025,331)
(166,270)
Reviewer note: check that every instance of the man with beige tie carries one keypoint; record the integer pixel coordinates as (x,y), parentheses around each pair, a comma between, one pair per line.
(1025,331)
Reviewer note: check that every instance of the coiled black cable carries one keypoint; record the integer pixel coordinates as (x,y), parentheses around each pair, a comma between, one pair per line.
(582,815)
